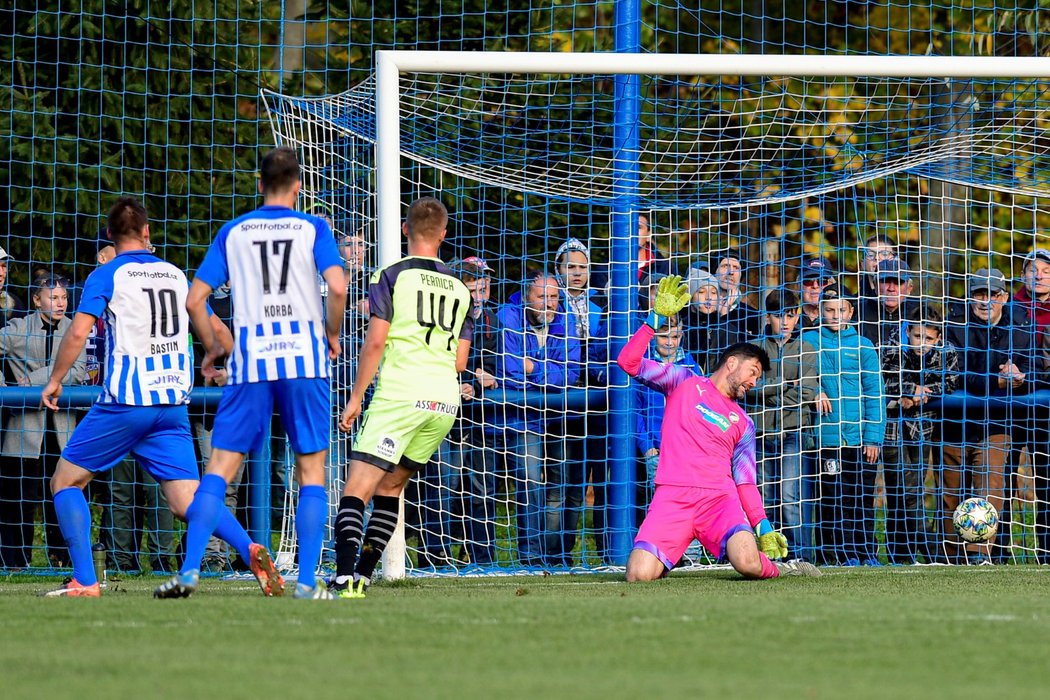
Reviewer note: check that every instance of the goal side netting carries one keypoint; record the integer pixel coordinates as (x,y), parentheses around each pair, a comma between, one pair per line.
(925,200)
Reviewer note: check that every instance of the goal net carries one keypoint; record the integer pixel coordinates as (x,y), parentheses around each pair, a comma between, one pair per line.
(922,199)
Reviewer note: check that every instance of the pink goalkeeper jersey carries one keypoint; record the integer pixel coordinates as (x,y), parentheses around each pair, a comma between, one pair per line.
(707,440)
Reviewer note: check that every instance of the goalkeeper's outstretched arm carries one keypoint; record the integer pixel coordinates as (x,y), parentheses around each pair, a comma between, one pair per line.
(745,472)
(671,297)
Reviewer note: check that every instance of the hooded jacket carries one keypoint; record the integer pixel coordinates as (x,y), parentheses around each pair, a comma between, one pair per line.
(850,377)
(556,363)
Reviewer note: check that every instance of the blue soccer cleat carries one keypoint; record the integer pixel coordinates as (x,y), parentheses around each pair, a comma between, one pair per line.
(179,585)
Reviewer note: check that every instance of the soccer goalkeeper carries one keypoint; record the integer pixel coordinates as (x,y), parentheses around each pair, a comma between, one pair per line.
(705,479)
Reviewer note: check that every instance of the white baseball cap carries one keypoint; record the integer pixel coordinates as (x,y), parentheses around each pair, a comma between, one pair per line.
(3,254)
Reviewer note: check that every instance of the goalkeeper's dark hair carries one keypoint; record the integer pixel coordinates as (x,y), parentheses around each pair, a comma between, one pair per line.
(427,218)
(279,170)
(927,315)
(127,217)
(744,351)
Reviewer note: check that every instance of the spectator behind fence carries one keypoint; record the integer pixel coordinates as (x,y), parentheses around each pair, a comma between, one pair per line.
(916,367)
(704,334)
(743,322)
(33,438)
(994,339)
(877,249)
(585,432)
(817,275)
(1034,297)
(851,421)
(217,553)
(780,404)
(666,349)
(650,258)
(458,493)
(11,306)
(538,355)
(883,318)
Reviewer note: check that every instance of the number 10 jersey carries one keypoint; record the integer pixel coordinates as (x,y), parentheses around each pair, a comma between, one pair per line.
(146,354)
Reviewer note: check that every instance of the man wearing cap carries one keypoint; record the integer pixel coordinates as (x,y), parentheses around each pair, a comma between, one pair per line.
(882,319)
(1034,292)
(11,306)
(816,275)
(742,322)
(994,340)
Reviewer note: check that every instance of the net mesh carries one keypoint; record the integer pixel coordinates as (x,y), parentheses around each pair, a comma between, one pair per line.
(162,101)
(750,183)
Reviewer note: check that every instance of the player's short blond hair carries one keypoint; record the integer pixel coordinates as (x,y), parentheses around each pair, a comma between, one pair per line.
(427,219)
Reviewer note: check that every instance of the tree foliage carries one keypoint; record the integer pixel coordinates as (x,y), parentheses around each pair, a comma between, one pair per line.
(153,100)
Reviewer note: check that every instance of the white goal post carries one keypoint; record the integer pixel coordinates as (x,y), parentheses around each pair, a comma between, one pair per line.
(391,65)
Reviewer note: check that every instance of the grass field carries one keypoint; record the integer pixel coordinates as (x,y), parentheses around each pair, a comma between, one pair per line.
(931,632)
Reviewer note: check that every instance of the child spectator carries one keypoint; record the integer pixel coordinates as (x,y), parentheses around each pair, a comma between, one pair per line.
(667,349)
(702,323)
(916,368)
(851,420)
(780,406)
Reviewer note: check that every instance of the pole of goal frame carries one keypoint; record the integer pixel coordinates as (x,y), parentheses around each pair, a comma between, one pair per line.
(620,506)
(388,214)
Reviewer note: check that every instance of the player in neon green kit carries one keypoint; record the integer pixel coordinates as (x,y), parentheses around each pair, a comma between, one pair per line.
(420,328)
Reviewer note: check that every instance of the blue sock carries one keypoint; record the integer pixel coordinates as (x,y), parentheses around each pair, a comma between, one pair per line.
(230,530)
(309,527)
(74,519)
(209,503)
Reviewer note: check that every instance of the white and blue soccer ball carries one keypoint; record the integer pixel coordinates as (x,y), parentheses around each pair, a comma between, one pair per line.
(976,520)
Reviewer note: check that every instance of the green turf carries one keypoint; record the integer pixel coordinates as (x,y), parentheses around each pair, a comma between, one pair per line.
(934,632)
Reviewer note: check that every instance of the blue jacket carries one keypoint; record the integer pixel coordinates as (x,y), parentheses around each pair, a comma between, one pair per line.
(556,365)
(651,403)
(850,375)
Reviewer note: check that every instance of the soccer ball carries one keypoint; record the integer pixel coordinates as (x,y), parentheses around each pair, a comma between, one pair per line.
(976,520)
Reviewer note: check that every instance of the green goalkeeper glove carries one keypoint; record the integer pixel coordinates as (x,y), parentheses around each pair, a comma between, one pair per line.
(773,544)
(672,295)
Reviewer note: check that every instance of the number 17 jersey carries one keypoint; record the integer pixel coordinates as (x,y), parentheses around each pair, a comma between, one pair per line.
(271,258)
(428,309)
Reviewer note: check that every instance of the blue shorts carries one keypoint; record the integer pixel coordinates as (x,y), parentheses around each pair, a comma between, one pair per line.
(158,437)
(304,405)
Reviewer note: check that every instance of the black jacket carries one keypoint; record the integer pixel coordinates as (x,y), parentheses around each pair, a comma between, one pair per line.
(982,348)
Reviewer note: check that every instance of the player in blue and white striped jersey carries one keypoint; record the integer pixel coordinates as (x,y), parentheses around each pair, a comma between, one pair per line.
(142,409)
(285,336)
